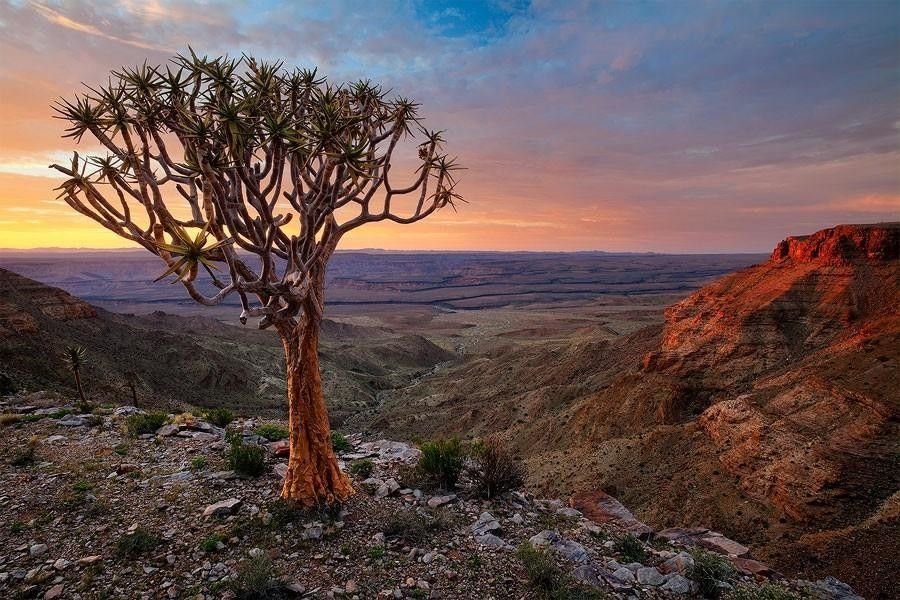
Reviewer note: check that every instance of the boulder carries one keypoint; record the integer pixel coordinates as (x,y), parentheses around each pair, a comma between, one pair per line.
(721,544)
(600,507)
(650,576)
(223,508)
(679,584)
(485,524)
(680,563)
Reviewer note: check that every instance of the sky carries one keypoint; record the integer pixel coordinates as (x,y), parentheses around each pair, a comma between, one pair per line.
(677,126)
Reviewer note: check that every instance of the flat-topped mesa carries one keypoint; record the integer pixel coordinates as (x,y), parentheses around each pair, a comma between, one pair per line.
(842,244)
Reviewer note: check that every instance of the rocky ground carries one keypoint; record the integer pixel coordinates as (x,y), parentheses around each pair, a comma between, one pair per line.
(90,511)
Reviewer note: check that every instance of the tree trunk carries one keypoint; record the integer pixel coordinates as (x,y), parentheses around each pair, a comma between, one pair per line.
(313,476)
(78,385)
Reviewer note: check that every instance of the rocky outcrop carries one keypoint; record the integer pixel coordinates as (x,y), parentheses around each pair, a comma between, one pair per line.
(22,296)
(842,244)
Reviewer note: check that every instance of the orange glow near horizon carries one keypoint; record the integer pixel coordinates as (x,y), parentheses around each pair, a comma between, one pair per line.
(571,142)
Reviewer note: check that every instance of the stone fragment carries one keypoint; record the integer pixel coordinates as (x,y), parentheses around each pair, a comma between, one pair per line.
(485,523)
(600,507)
(223,508)
(650,576)
(54,592)
(436,501)
(38,549)
(721,544)
(678,584)
(680,563)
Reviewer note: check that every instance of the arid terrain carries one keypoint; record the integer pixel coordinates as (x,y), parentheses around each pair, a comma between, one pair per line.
(763,404)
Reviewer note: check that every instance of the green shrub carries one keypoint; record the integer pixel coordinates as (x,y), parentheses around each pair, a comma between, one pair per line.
(121,449)
(630,548)
(550,581)
(766,591)
(198,463)
(211,543)
(255,580)
(361,468)
(495,469)
(340,443)
(708,570)
(443,461)
(147,423)
(82,486)
(376,552)
(220,417)
(272,432)
(246,460)
(137,543)
(542,572)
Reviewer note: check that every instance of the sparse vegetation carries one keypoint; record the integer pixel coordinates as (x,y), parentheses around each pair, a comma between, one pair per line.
(272,432)
(75,358)
(630,549)
(708,570)
(9,419)
(495,470)
(549,580)
(220,417)
(766,591)
(26,455)
(442,461)
(82,486)
(246,459)
(137,543)
(361,468)
(255,580)
(414,526)
(198,463)
(211,543)
(340,443)
(146,423)
(376,552)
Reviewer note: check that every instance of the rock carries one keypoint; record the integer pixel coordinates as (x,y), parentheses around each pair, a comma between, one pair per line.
(829,589)
(38,550)
(517,519)
(678,584)
(624,574)
(280,469)
(71,420)
(127,411)
(491,540)
(721,544)
(650,576)
(172,477)
(314,532)
(600,507)
(436,501)
(281,448)
(54,439)
(753,567)
(568,512)
(54,592)
(590,575)
(61,564)
(485,523)
(89,560)
(350,587)
(168,430)
(680,563)
(683,535)
(256,552)
(223,508)
(568,549)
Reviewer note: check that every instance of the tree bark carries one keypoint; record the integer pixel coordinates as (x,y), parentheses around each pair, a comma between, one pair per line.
(313,476)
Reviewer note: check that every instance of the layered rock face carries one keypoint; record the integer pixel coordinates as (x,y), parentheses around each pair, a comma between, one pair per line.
(20,297)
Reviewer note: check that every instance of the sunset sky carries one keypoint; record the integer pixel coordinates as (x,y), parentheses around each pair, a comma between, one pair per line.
(681,126)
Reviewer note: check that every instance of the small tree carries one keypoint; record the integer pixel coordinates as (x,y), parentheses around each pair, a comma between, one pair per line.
(131,380)
(76,357)
(247,168)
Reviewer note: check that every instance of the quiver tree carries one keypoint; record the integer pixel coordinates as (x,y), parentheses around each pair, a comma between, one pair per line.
(75,357)
(253,174)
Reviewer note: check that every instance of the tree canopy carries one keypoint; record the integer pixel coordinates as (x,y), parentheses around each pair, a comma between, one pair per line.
(247,170)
